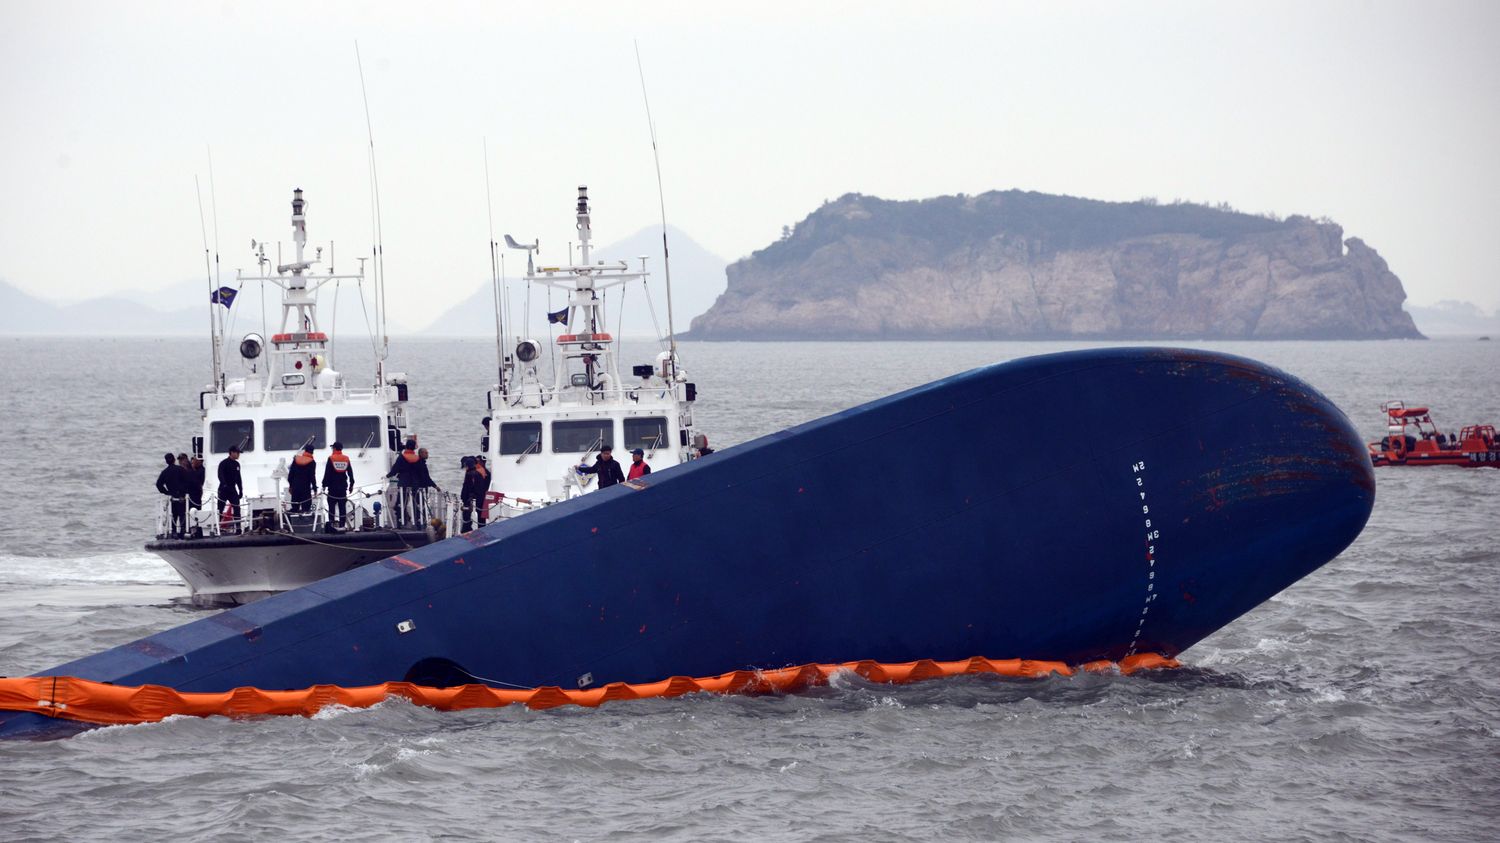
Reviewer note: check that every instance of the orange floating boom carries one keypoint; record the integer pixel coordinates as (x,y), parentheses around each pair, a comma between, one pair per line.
(100,703)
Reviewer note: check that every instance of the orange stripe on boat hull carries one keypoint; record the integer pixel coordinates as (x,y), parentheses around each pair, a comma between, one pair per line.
(86,701)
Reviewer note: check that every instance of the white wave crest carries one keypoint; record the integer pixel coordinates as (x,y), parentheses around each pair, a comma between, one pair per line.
(127,567)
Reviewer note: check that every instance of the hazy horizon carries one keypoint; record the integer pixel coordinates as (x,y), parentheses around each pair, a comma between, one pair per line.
(1380,116)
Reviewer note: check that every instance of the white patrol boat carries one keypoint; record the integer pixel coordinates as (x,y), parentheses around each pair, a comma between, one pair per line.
(290,399)
(538,433)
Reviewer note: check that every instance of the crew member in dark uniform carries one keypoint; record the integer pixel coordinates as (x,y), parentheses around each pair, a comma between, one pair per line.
(193,488)
(421,481)
(476,484)
(231,488)
(401,470)
(173,482)
(197,478)
(605,467)
(338,479)
(301,478)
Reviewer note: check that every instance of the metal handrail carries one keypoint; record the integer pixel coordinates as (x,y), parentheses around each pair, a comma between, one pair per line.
(209,519)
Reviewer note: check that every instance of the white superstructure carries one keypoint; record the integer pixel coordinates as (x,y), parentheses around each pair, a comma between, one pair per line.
(289,397)
(541,428)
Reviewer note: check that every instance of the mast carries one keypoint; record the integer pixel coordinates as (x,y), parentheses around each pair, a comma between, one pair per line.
(299,351)
(587,345)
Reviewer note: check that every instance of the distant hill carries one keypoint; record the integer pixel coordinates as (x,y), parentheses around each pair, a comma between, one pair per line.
(22,313)
(1024,265)
(1455,317)
(181,309)
(697,280)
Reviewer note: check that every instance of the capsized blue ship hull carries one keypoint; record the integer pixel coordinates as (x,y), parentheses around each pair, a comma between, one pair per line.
(1071,507)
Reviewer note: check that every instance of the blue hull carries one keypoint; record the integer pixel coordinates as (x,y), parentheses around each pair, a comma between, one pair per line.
(1070,507)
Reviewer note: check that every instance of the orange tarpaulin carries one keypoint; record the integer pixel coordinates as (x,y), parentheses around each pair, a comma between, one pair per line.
(68,698)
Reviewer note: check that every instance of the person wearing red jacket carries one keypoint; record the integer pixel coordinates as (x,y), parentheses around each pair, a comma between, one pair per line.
(638,466)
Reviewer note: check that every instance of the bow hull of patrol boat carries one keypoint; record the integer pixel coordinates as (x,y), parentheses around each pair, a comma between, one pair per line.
(234,570)
(1173,492)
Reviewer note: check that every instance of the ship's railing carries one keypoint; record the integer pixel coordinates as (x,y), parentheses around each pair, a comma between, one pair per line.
(429,508)
(306,396)
(208,518)
(583,396)
(377,506)
(301,395)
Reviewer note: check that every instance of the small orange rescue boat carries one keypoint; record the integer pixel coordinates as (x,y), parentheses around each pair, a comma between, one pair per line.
(1411,438)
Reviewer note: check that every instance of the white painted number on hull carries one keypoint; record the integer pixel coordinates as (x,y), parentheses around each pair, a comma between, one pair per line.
(1153,534)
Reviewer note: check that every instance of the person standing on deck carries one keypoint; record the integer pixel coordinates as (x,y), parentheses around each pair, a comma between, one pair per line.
(338,479)
(421,481)
(231,487)
(301,478)
(638,466)
(401,471)
(196,480)
(476,484)
(605,467)
(173,482)
(192,484)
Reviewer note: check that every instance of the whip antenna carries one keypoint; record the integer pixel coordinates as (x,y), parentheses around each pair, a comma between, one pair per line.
(489,207)
(213,200)
(213,297)
(666,256)
(379,262)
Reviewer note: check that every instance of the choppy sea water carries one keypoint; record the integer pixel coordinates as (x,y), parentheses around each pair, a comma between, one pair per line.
(1362,703)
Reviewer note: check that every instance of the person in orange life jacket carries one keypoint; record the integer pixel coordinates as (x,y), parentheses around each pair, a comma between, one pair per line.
(338,479)
(401,470)
(230,485)
(173,482)
(476,483)
(605,467)
(638,466)
(301,478)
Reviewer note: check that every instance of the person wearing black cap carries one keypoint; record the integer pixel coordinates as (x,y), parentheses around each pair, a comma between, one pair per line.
(173,482)
(301,477)
(338,479)
(605,467)
(638,466)
(231,487)
(406,481)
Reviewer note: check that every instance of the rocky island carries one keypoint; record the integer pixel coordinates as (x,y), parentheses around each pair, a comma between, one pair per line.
(1023,265)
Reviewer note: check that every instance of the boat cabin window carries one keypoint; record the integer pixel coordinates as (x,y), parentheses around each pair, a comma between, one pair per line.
(293,434)
(358,432)
(646,433)
(577,437)
(520,438)
(224,435)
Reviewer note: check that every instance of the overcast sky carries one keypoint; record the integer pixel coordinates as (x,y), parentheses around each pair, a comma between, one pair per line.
(1384,116)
